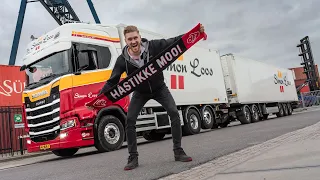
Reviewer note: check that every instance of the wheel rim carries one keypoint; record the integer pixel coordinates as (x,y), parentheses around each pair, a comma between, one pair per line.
(112,133)
(194,122)
(247,114)
(255,113)
(207,116)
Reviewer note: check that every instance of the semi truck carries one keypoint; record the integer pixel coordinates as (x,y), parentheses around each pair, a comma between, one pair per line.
(68,66)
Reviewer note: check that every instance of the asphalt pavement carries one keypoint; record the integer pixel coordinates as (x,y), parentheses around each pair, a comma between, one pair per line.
(156,158)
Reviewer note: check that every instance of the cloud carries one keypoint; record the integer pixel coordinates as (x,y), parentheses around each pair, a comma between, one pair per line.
(263,30)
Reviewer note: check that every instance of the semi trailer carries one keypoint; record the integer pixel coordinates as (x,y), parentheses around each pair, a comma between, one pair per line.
(68,66)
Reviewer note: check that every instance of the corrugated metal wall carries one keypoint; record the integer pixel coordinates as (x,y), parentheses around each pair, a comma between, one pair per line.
(11,128)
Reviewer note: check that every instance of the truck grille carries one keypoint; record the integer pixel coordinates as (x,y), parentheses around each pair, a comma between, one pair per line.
(43,117)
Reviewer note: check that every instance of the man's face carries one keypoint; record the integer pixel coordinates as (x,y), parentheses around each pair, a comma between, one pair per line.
(133,40)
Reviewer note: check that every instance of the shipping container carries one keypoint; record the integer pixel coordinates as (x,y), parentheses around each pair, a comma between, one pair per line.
(300,75)
(12,83)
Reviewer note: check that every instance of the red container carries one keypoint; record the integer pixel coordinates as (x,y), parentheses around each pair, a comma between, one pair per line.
(298,71)
(12,83)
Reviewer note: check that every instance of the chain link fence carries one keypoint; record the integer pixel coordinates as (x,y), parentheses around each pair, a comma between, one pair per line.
(309,99)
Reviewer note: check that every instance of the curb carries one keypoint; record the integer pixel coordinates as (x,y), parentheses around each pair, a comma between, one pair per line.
(25,156)
(210,169)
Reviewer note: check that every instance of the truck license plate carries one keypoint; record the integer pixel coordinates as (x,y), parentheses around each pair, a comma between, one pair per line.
(44,147)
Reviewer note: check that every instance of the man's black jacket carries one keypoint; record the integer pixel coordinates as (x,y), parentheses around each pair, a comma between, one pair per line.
(125,64)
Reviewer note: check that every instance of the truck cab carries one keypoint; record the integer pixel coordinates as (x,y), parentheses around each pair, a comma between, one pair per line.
(66,68)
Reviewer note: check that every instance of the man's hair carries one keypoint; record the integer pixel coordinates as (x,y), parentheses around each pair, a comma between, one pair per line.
(130,29)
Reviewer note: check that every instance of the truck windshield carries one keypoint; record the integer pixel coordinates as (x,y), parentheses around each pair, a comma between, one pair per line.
(51,66)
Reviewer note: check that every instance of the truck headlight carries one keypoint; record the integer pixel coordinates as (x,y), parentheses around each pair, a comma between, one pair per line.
(68,124)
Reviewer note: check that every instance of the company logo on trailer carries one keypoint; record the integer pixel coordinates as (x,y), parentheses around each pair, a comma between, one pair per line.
(177,83)
(281,79)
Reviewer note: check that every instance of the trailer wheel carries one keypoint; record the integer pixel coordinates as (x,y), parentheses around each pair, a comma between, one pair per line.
(65,152)
(153,136)
(192,123)
(280,113)
(207,118)
(244,115)
(110,134)
(255,113)
(289,109)
(285,109)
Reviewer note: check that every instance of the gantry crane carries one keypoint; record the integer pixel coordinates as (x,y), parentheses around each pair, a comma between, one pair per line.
(60,10)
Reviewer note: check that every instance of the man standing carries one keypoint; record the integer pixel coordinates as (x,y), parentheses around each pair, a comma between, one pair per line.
(134,55)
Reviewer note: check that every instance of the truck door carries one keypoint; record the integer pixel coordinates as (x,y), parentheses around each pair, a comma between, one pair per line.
(93,66)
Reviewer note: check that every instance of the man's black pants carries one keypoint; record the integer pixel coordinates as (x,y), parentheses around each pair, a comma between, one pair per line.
(138,100)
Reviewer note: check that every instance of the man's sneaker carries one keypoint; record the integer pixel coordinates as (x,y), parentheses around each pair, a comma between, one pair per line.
(132,163)
(180,155)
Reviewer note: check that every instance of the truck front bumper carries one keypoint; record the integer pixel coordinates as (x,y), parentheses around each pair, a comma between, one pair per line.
(71,138)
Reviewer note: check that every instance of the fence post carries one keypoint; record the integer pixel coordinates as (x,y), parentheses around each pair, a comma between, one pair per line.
(302,99)
(21,144)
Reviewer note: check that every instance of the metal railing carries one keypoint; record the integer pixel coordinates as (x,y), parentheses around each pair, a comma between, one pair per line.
(309,99)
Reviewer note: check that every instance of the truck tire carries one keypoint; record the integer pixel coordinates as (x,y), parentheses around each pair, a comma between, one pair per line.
(65,152)
(285,109)
(255,113)
(110,134)
(244,115)
(153,136)
(280,113)
(192,122)
(207,118)
(289,109)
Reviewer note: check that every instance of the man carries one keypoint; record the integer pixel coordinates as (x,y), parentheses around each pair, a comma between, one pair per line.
(134,55)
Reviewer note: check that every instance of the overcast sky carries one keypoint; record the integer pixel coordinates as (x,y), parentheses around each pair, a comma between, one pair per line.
(258,29)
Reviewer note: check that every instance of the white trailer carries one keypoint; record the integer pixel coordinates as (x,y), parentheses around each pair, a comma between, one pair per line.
(256,89)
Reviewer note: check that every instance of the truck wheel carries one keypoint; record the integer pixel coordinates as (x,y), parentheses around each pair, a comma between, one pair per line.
(244,115)
(65,152)
(153,136)
(192,123)
(280,113)
(255,113)
(207,118)
(110,134)
(289,109)
(285,109)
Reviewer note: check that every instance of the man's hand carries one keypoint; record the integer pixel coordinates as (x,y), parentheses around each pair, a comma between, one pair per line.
(201,28)
(88,107)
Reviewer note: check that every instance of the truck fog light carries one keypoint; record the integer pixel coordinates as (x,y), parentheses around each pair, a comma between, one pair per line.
(28,141)
(63,135)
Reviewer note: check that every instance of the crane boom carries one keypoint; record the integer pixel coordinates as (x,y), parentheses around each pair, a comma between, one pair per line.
(60,10)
